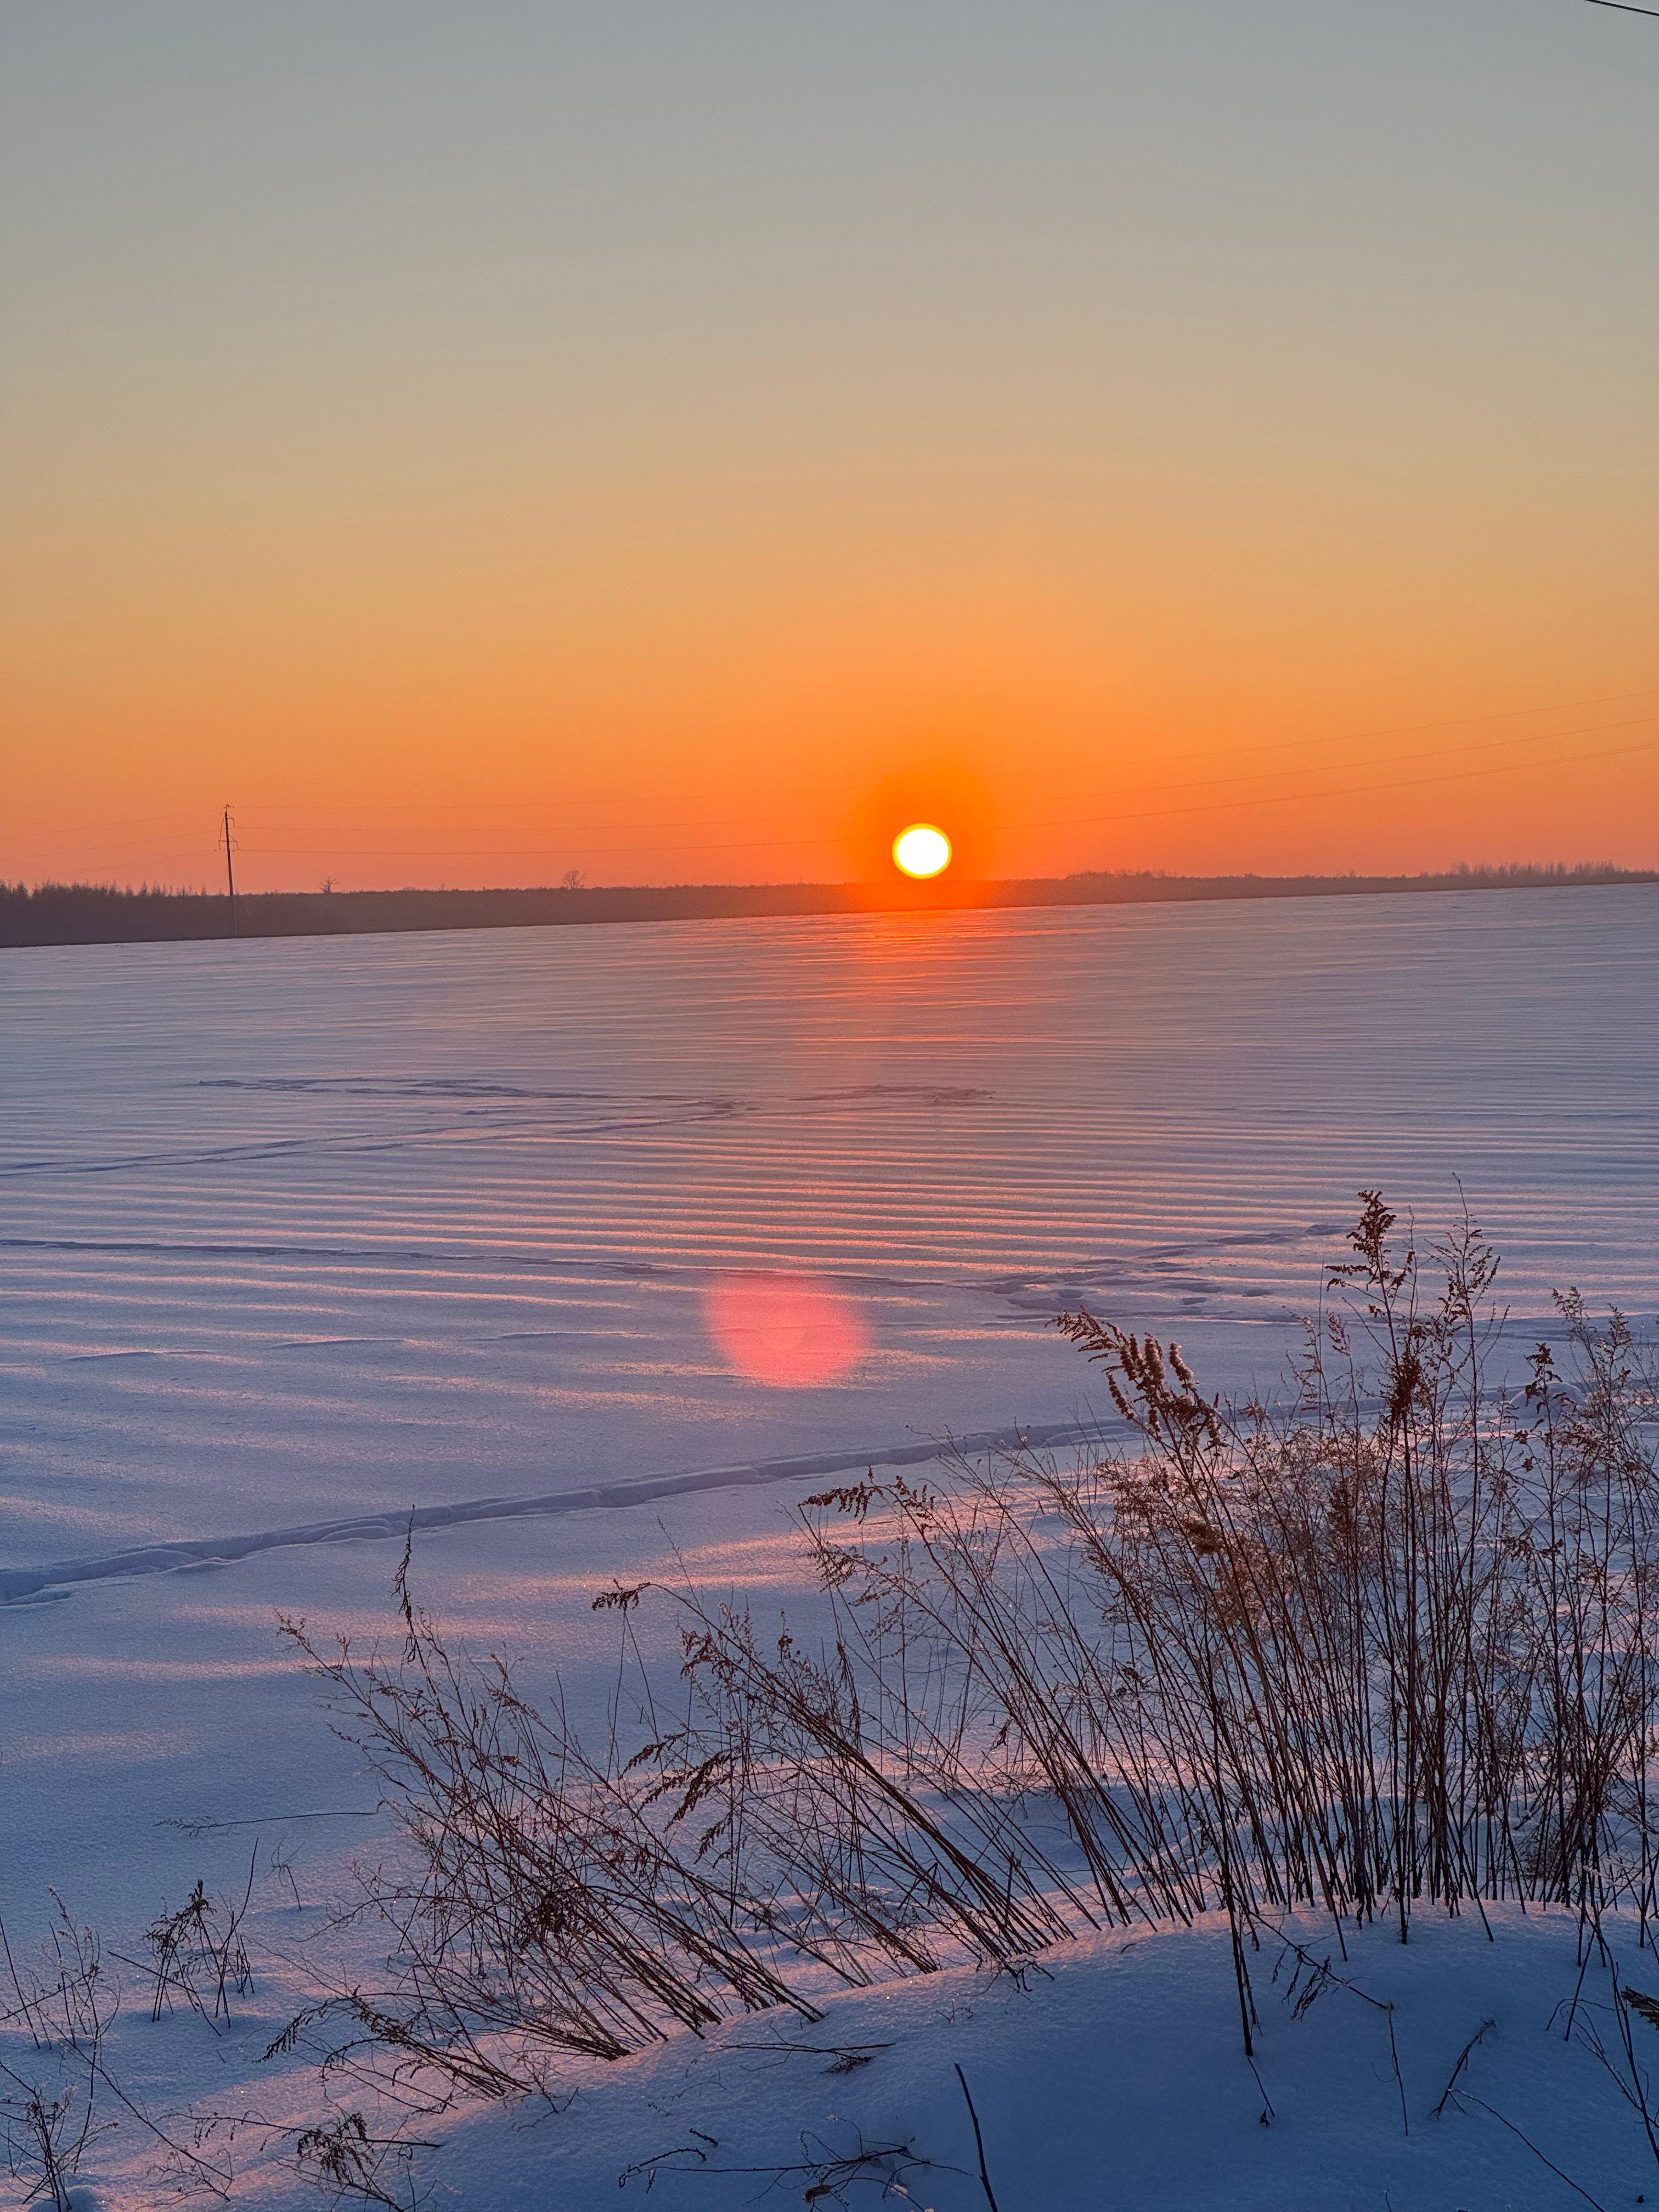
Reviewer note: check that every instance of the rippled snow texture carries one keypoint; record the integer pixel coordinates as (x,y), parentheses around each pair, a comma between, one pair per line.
(303,1229)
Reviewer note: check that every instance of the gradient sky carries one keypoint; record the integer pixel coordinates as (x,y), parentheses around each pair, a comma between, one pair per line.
(479,440)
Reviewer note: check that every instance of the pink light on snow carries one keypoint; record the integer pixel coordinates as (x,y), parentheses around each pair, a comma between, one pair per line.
(789,1330)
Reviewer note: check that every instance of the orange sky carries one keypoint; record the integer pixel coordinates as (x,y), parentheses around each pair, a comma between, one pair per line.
(514,446)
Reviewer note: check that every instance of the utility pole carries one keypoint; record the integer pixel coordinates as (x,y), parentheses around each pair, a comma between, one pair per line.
(230,873)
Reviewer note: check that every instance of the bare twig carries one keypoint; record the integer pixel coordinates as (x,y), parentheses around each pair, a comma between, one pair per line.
(979,2140)
(1464,2096)
(1463,2058)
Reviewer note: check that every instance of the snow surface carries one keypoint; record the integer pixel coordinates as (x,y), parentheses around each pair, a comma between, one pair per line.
(299,1234)
(1113,2081)
(1117,2081)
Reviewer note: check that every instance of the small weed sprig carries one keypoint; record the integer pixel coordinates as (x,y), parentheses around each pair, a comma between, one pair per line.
(49,2093)
(199,1953)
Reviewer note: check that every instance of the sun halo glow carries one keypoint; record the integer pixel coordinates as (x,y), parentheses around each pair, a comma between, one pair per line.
(921,850)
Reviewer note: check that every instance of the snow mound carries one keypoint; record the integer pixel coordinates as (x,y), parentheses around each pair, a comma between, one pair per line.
(1114,2079)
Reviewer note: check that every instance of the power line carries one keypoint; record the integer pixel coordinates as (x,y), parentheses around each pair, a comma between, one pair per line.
(228,841)
(739,844)
(828,838)
(1624,7)
(1344,791)
(121,824)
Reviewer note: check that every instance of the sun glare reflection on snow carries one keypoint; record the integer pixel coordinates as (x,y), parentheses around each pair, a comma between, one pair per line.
(792,1331)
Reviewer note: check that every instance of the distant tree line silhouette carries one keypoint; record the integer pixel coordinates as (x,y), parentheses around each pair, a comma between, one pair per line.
(104,914)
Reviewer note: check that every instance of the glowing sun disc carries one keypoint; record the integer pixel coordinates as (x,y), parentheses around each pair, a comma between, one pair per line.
(921,850)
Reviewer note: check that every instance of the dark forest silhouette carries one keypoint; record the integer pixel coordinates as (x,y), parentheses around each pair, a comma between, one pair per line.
(98,913)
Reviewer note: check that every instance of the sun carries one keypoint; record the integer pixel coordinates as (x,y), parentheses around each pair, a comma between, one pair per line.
(921,850)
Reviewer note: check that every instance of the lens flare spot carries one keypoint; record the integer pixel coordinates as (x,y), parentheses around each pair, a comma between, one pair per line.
(791,1331)
(921,850)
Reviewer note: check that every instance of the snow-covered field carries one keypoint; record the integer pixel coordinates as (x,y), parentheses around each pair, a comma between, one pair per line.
(300,1235)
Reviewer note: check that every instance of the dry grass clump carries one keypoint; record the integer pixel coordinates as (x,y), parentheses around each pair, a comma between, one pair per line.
(1397,1639)
(546,1909)
(57,2015)
(1391,1642)
(1388,1642)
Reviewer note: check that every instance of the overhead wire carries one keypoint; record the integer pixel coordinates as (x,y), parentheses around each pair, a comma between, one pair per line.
(186,844)
(1204,806)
